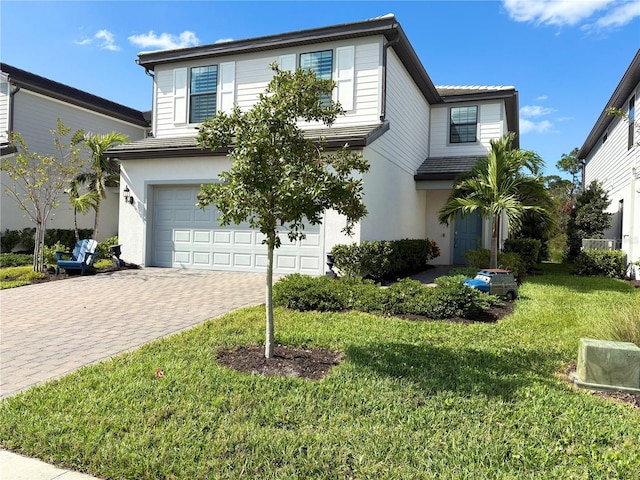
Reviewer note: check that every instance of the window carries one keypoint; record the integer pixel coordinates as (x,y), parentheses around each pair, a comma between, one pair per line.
(321,63)
(202,94)
(463,125)
(632,114)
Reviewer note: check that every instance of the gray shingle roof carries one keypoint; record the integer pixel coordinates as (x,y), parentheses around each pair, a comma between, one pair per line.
(454,90)
(444,168)
(169,147)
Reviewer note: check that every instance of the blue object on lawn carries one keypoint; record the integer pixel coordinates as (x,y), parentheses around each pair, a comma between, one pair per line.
(81,258)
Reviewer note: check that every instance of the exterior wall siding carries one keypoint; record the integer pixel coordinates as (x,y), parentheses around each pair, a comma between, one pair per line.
(617,167)
(396,208)
(34,116)
(491,124)
(4,108)
(252,75)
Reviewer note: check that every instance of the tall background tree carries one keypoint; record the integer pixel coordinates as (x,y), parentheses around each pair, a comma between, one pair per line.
(279,179)
(81,203)
(36,181)
(588,218)
(103,171)
(497,186)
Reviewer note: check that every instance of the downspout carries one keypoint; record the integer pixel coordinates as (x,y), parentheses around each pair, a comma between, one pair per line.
(391,43)
(12,93)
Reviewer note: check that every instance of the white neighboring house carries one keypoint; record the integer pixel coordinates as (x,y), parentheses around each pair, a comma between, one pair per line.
(611,154)
(30,105)
(416,137)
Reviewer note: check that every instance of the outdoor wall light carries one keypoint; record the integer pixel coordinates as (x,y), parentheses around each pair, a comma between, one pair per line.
(127,195)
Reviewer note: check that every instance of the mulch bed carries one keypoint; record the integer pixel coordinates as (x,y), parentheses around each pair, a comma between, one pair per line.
(632,399)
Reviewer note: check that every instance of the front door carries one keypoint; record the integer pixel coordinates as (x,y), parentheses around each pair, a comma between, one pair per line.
(467,235)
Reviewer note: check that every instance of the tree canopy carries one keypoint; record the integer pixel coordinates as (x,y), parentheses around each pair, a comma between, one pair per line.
(279,178)
(499,185)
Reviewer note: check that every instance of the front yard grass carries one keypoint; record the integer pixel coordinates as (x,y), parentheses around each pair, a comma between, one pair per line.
(11,277)
(411,400)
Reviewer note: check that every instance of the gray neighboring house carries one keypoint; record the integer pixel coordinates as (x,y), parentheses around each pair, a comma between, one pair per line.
(417,137)
(30,105)
(611,155)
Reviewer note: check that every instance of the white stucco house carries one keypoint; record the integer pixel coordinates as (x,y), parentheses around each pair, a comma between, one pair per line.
(417,137)
(30,105)
(611,155)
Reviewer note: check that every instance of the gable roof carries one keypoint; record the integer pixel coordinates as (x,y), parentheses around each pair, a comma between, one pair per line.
(65,93)
(624,89)
(386,25)
(332,137)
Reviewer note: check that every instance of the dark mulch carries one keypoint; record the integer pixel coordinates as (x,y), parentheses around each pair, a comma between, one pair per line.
(50,272)
(312,364)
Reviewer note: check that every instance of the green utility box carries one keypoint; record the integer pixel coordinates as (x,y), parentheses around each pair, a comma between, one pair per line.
(607,365)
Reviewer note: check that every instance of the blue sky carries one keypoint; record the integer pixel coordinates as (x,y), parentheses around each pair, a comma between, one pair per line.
(565,57)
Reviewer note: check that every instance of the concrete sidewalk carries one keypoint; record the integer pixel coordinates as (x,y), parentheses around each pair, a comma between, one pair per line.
(17,467)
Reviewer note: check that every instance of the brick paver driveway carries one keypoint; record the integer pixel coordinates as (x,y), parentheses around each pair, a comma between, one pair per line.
(54,328)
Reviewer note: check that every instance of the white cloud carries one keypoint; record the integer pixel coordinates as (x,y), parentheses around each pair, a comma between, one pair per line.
(618,17)
(527,126)
(535,111)
(542,97)
(224,40)
(601,13)
(103,38)
(165,41)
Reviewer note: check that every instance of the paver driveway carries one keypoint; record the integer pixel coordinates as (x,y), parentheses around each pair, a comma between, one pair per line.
(54,328)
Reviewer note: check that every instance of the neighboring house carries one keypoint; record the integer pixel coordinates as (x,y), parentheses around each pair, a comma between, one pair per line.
(31,105)
(416,137)
(611,155)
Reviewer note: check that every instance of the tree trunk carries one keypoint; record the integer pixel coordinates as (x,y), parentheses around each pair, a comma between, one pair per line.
(95,222)
(75,223)
(493,261)
(269,339)
(38,251)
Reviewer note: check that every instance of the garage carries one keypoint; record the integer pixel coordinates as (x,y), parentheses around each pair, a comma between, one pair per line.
(184,236)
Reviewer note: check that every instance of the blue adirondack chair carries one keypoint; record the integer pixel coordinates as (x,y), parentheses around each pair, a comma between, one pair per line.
(81,258)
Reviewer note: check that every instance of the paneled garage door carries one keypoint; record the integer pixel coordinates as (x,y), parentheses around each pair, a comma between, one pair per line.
(188,237)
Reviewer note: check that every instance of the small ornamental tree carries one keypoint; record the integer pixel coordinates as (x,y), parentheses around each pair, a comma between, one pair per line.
(279,179)
(588,218)
(36,181)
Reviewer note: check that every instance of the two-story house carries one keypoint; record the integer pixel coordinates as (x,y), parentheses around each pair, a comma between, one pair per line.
(416,137)
(611,155)
(31,105)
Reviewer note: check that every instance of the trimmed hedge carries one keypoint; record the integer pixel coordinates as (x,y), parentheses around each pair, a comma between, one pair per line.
(15,259)
(406,297)
(479,259)
(384,259)
(603,263)
(65,236)
(528,248)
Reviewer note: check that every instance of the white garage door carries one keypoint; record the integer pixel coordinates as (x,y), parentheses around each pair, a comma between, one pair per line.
(188,237)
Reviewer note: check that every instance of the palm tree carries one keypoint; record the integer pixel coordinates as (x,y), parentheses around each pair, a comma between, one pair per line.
(104,171)
(497,186)
(81,203)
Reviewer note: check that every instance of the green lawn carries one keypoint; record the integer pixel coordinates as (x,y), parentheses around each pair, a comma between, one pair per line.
(412,400)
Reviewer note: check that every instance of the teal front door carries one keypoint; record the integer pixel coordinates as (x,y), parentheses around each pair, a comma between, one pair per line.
(467,235)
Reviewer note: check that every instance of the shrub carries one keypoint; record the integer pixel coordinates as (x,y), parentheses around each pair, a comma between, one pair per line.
(104,250)
(605,263)
(303,293)
(528,249)
(383,258)
(15,259)
(65,236)
(50,252)
(405,297)
(479,259)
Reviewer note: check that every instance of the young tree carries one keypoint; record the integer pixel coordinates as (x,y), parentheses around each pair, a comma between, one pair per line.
(37,181)
(278,177)
(588,218)
(497,186)
(103,172)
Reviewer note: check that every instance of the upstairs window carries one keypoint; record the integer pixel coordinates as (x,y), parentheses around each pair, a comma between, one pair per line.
(203,93)
(463,125)
(632,115)
(320,63)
